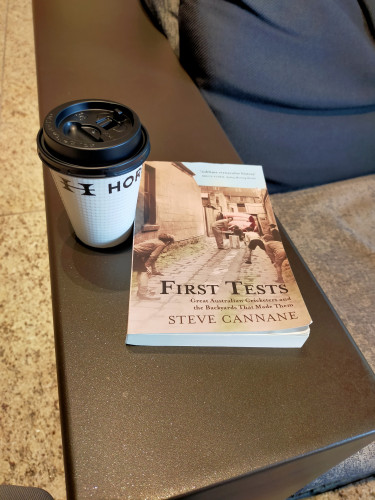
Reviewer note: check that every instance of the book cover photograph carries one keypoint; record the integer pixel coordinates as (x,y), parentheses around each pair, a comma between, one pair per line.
(208,265)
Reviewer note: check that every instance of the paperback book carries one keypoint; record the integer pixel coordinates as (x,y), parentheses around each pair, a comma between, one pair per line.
(208,264)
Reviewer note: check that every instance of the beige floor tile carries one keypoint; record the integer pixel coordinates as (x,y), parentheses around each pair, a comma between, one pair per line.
(30,439)
(19,93)
(3,18)
(22,184)
(22,180)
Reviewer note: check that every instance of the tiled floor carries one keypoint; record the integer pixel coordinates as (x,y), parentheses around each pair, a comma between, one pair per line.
(30,440)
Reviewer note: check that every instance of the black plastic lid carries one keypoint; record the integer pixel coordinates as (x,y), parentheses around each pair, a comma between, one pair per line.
(93,137)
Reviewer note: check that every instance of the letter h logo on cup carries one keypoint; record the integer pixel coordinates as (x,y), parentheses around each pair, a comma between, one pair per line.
(86,188)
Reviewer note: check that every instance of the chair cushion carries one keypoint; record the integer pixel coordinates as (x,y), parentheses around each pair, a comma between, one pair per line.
(292,82)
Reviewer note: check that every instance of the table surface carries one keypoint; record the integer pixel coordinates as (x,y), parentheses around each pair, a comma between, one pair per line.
(142,422)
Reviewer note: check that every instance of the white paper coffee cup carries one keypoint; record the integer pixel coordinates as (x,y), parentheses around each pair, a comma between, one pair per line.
(95,150)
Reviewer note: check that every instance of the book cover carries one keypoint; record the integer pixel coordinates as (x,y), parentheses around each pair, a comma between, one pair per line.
(208,266)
